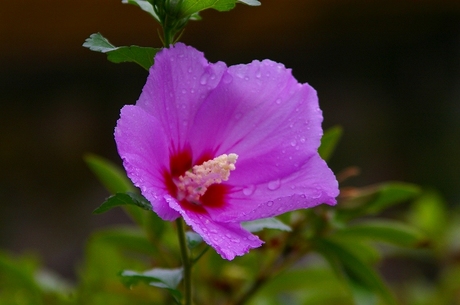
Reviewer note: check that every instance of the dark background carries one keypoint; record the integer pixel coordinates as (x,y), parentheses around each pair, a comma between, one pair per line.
(387,71)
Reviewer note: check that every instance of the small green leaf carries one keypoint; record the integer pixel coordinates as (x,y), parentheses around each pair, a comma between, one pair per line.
(384,230)
(392,193)
(266,223)
(193,239)
(143,56)
(342,255)
(120,199)
(111,176)
(190,7)
(374,199)
(329,141)
(250,2)
(158,277)
(145,5)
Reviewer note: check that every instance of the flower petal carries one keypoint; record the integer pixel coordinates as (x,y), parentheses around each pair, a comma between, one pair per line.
(177,85)
(260,112)
(313,184)
(143,147)
(228,239)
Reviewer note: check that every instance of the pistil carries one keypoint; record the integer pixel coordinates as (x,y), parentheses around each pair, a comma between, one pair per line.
(194,183)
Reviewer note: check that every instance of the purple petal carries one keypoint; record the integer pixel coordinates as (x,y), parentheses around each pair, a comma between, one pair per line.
(143,147)
(260,112)
(313,184)
(228,239)
(178,83)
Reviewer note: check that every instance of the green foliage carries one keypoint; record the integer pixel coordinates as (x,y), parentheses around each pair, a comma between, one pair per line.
(374,199)
(329,142)
(265,223)
(23,281)
(111,176)
(144,5)
(190,7)
(349,262)
(388,231)
(158,277)
(120,199)
(143,56)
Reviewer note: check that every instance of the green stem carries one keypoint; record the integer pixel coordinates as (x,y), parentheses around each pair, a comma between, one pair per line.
(187,264)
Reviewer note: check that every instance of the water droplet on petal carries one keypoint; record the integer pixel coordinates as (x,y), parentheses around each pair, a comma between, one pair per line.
(204,79)
(270,203)
(278,101)
(274,185)
(293,143)
(249,190)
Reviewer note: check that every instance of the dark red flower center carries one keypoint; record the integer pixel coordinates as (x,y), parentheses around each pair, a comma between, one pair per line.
(182,162)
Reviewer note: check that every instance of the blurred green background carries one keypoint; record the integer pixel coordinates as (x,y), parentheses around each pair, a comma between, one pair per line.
(387,71)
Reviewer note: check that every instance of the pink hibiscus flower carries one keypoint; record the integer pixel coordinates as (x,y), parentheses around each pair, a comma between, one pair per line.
(222,145)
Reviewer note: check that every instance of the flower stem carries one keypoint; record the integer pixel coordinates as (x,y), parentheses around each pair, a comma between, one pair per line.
(187,264)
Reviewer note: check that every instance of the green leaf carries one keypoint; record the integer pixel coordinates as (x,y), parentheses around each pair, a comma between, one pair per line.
(329,141)
(190,7)
(429,213)
(343,256)
(143,56)
(111,176)
(266,223)
(120,199)
(374,199)
(145,5)
(392,193)
(392,232)
(250,2)
(158,277)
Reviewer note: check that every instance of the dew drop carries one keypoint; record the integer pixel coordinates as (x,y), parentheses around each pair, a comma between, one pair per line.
(278,101)
(249,190)
(274,185)
(302,140)
(293,143)
(190,70)
(270,203)
(258,74)
(204,79)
